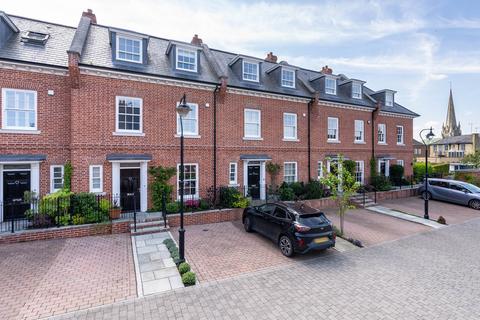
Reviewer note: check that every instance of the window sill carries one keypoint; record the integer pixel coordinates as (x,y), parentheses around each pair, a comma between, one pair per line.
(334,141)
(401,144)
(129,134)
(383,143)
(359,142)
(187,136)
(18,131)
(99,193)
(290,140)
(233,185)
(252,138)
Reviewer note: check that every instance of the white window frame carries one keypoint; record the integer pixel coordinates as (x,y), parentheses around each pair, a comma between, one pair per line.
(295,126)
(319,170)
(4,110)
(355,94)
(337,129)
(197,180)
(401,162)
(117,106)
(401,142)
(52,183)
(284,81)
(257,75)
(334,89)
(362,131)
(187,50)
(384,131)
(296,170)
(90,175)
(194,107)
(127,37)
(389,99)
(361,164)
(245,123)
(235,173)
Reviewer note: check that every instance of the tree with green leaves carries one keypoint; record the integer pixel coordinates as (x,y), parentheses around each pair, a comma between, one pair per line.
(159,185)
(342,185)
(472,158)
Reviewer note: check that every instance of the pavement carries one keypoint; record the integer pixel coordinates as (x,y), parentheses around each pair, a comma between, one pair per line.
(386,281)
(405,216)
(44,278)
(156,272)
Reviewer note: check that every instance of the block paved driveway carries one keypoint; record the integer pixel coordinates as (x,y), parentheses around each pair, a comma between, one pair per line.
(453,213)
(43,278)
(221,250)
(431,275)
(374,228)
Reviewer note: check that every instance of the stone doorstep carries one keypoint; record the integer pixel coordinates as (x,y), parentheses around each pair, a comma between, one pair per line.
(405,216)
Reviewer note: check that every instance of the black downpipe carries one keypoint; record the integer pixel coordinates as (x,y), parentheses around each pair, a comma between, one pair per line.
(309,147)
(373,144)
(215,144)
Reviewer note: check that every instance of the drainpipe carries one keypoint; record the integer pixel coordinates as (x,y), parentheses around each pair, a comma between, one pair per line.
(309,147)
(215,142)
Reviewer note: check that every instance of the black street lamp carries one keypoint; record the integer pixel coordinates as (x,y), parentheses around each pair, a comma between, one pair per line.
(429,137)
(182,109)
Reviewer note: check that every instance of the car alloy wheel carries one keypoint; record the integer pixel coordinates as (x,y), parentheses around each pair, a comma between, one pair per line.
(426,195)
(475,204)
(286,246)
(246,224)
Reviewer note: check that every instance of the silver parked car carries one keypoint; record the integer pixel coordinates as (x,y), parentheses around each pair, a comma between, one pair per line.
(452,191)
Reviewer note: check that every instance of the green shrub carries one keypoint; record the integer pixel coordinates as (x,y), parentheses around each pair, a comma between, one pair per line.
(286,193)
(104,206)
(381,183)
(396,173)
(173,207)
(298,188)
(440,169)
(63,220)
(167,241)
(240,202)
(204,205)
(228,196)
(313,190)
(78,219)
(350,165)
(159,186)
(188,278)
(419,170)
(183,267)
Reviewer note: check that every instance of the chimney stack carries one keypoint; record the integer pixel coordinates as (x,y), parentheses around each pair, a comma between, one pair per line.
(326,70)
(271,57)
(196,40)
(89,14)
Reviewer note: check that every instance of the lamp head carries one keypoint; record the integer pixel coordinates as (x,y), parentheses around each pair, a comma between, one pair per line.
(430,135)
(183,109)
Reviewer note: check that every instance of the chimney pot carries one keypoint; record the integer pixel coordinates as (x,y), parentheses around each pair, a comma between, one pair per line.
(89,14)
(327,70)
(196,40)
(271,57)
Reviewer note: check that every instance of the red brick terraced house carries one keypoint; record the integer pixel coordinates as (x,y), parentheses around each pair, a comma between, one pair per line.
(104,98)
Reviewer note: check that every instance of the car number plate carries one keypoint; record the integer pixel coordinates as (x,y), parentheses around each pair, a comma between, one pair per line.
(321,240)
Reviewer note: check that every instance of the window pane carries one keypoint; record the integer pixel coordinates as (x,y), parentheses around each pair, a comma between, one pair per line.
(129,111)
(129,49)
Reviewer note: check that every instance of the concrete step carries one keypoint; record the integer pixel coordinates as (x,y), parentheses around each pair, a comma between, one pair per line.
(148,230)
(148,224)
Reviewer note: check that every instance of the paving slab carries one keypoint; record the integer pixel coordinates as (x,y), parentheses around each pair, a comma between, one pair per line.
(405,216)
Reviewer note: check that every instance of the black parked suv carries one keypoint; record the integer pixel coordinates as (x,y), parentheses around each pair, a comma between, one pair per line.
(294,226)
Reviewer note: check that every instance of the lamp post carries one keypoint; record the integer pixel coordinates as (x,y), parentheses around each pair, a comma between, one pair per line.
(429,137)
(182,109)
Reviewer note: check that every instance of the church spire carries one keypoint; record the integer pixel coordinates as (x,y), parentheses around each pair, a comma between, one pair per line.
(450,128)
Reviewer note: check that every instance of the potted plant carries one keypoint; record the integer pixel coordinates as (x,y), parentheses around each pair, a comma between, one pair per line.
(115,210)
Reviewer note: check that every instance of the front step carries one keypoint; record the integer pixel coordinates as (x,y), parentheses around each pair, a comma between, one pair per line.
(148,223)
(148,230)
(357,200)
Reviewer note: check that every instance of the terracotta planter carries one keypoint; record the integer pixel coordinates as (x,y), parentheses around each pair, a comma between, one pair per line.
(115,213)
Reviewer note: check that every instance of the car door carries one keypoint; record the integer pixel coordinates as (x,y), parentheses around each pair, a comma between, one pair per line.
(440,190)
(277,223)
(458,193)
(261,217)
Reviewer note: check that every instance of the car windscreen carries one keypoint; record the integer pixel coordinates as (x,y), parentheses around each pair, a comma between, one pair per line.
(470,187)
(314,219)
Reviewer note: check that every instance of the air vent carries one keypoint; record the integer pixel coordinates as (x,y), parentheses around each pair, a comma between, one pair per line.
(36,38)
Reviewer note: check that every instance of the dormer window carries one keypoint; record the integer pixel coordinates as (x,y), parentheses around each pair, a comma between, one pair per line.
(330,85)
(35,38)
(250,71)
(356,90)
(129,49)
(186,59)
(389,99)
(288,78)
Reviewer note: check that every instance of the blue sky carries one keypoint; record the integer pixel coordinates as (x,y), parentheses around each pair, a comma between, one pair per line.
(414,47)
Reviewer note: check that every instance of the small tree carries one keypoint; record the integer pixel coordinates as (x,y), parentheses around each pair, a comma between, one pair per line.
(473,158)
(342,186)
(273,170)
(159,185)
(67,176)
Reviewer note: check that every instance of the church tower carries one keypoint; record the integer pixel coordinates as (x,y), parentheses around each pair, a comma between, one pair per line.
(450,128)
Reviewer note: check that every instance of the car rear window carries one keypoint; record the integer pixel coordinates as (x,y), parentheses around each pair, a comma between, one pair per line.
(312,219)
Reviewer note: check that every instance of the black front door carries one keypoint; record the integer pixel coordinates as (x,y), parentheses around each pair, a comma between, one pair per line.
(15,183)
(254,181)
(130,189)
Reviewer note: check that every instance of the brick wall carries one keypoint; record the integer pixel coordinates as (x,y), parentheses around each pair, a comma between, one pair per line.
(204,217)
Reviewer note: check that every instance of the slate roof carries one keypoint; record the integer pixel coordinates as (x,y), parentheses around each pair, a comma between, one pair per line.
(92,42)
(463,139)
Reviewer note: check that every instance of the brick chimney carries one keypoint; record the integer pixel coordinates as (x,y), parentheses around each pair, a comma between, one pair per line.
(89,14)
(271,57)
(327,70)
(196,40)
